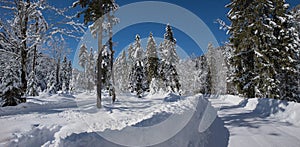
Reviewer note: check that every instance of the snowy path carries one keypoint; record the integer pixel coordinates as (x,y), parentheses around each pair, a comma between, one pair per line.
(248,127)
(62,120)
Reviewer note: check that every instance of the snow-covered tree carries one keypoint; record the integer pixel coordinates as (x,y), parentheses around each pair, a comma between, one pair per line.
(94,12)
(251,38)
(32,88)
(264,44)
(287,49)
(152,61)
(188,76)
(121,72)
(90,70)
(130,52)
(137,78)
(170,59)
(23,32)
(217,69)
(64,74)
(83,56)
(10,87)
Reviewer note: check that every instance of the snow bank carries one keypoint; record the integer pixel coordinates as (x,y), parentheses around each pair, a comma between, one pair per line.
(231,99)
(282,110)
(62,120)
(214,135)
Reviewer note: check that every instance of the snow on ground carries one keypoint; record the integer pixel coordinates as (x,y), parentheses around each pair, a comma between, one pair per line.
(155,120)
(65,120)
(260,122)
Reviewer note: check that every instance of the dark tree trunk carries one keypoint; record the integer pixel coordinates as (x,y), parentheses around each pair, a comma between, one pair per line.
(99,62)
(24,50)
(35,48)
(113,93)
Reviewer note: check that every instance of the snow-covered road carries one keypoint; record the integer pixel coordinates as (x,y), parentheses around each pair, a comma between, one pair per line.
(250,127)
(157,120)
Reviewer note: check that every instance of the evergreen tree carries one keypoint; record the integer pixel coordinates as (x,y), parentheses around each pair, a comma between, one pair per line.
(90,70)
(105,68)
(170,59)
(69,76)
(250,38)
(11,89)
(94,12)
(121,72)
(32,85)
(287,46)
(64,74)
(83,56)
(138,82)
(152,59)
(204,76)
(264,48)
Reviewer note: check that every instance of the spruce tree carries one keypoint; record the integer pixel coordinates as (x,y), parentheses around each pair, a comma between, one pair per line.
(264,48)
(287,46)
(137,78)
(83,56)
(152,59)
(32,85)
(64,74)
(121,72)
(11,89)
(69,77)
(90,70)
(170,59)
(250,38)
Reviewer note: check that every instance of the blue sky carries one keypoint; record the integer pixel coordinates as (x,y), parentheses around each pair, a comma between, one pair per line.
(208,11)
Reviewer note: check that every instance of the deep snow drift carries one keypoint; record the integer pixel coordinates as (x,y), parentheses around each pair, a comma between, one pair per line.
(260,121)
(157,120)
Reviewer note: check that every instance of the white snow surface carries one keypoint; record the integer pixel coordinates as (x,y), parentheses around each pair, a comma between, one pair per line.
(259,122)
(66,120)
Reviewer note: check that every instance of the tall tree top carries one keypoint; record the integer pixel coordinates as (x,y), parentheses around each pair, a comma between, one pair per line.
(169,34)
(94,9)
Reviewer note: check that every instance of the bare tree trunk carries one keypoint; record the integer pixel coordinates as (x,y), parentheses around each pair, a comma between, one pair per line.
(35,48)
(113,93)
(99,62)
(24,49)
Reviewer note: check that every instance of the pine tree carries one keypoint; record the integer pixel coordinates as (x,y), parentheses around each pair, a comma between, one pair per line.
(137,77)
(121,72)
(11,89)
(90,70)
(204,76)
(264,48)
(105,68)
(152,59)
(64,74)
(287,46)
(83,56)
(250,39)
(170,59)
(32,85)
(69,76)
